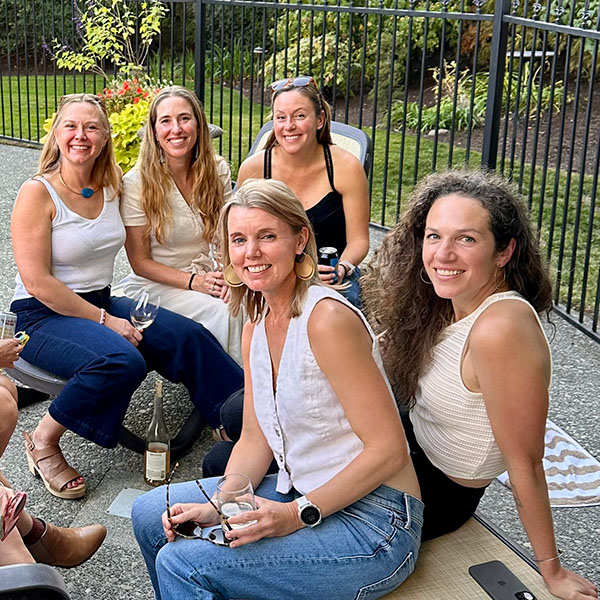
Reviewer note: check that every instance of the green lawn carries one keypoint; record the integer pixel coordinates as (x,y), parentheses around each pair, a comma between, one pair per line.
(33,99)
(226,106)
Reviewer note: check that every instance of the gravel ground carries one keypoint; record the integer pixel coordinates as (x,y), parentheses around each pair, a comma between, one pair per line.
(117,570)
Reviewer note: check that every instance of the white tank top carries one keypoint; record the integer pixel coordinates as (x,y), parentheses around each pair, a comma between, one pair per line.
(83,250)
(450,422)
(303,421)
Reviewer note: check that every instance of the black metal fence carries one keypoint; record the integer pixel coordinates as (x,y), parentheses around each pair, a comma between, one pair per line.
(434,83)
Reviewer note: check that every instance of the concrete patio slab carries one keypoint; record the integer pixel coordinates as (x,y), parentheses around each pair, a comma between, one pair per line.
(117,571)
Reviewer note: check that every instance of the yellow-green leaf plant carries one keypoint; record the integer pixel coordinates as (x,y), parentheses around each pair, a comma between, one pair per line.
(107,31)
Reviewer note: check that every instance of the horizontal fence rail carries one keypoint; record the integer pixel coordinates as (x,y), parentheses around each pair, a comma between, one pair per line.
(435,84)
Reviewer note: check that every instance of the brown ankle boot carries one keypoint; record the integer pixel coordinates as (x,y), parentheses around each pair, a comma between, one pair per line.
(67,546)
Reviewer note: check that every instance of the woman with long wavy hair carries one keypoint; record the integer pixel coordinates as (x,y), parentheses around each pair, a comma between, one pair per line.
(170,206)
(456,293)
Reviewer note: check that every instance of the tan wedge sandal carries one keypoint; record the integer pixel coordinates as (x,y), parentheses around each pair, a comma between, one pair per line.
(55,485)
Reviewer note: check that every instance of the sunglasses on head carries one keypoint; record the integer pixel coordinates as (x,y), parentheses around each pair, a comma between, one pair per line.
(189,529)
(293,82)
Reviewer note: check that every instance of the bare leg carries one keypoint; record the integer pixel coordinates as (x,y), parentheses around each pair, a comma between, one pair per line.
(8,411)
(8,419)
(48,433)
(13,550)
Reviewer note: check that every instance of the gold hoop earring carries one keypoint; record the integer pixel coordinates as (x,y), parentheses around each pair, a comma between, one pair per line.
(304,267)
(422,277)
(231,277)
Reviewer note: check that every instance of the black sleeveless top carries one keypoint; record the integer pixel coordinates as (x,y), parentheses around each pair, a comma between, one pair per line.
(327,215)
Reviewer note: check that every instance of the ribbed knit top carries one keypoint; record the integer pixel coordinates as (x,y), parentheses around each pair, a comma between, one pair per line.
(450,422)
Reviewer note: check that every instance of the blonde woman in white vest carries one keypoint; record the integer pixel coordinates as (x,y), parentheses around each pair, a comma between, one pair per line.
(457,292)
(342,517)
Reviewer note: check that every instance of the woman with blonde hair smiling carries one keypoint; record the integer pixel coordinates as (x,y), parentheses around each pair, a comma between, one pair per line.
(170,206)
(342,517)
(66,231)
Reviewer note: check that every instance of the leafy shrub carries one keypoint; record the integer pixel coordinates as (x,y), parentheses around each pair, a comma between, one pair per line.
(107,29)
(332,53)
(461,117)
(125,125)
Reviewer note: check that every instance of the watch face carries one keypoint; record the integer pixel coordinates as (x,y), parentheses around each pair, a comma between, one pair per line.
(310,515)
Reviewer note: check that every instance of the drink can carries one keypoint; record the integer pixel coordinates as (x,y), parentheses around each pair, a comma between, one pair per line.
(328,255)
(8,324)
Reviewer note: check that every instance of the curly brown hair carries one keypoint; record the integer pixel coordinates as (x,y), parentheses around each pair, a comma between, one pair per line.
(404,307)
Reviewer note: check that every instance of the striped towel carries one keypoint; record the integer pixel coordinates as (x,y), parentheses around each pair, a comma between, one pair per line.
(572,473)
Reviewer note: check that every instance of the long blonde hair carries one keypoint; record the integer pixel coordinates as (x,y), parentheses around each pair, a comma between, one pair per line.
(105,171)
(155,175)
(275,198)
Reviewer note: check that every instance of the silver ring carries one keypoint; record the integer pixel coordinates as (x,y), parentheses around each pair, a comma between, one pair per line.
(212,289)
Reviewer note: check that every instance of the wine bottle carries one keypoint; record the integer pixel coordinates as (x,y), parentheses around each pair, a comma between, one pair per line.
(158,444)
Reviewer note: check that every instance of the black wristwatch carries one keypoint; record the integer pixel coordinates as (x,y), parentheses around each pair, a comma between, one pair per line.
(308,512)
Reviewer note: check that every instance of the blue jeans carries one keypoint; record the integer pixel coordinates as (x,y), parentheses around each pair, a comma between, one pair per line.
(352,294)
(104,369)
(361,552)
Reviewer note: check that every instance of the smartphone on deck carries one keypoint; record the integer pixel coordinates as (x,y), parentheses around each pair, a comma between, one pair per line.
(499,581)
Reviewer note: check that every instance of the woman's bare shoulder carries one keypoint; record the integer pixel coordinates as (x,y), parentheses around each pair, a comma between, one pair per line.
(252,167)
(506,323)
(34,191)
(332,319)
(344,158)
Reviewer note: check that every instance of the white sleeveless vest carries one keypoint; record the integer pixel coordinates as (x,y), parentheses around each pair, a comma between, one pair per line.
(304,422)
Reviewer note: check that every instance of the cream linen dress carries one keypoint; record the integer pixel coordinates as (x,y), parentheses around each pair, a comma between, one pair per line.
(185,249)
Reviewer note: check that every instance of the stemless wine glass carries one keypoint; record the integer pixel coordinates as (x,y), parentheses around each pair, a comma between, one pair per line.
(234,496)
(143,311)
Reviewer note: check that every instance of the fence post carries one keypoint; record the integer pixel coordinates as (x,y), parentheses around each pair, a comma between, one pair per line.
(200,50)
(491,129)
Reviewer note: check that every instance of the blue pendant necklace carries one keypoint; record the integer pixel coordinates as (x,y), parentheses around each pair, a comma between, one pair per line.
(86,192)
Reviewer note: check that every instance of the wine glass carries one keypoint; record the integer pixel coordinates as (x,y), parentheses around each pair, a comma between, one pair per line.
(235,496)
(143,311)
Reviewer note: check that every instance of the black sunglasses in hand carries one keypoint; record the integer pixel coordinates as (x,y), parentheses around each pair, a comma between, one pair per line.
(188,529)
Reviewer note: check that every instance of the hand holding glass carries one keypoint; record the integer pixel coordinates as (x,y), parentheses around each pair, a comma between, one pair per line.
(235,496)
(143,312)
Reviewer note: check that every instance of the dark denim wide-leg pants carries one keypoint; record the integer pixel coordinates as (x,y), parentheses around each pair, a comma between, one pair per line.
(104,369)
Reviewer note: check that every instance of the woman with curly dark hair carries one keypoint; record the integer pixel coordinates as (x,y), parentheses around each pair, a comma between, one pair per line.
(456,292)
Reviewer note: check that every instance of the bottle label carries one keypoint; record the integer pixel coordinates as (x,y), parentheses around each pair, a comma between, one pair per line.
(156,466)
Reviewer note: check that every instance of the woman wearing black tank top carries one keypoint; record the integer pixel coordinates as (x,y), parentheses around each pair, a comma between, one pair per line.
(329,181)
